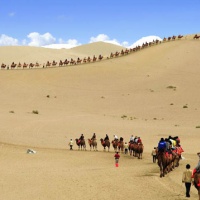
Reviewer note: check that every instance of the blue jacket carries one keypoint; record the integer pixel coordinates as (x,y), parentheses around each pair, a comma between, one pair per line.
(162,145)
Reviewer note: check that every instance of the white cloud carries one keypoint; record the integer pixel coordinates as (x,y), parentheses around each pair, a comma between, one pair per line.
(7,41)
(105,38)
(40,40)
(62,44)
(145,39)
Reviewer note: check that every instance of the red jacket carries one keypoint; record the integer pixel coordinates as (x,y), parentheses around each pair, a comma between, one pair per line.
(117,156)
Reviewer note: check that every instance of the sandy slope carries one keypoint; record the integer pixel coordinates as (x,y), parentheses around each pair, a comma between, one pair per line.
(93,98)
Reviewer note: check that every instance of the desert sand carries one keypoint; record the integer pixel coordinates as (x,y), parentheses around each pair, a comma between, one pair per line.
(143,93)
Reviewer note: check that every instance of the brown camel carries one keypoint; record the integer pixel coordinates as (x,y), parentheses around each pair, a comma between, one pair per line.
(25,65)
(93,144)
(81,144)
(111,55)
(72,62)
(105,144)
(180,36)
(115,144)
(94,59)
(31,65)
(54,63)
(197,182)
(196,36)
(13,65)
(3,66)
(162,163)
(79,61)
(88,59)
(100,57)
(48,64)
(19,65)
(66,62)
(120,145)
(174,37)
(139,150)
(37,64)
(122,52)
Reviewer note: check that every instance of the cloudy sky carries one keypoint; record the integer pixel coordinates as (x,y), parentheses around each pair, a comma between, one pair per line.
(76,22)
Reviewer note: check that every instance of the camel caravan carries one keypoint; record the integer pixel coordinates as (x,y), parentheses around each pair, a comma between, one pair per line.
(135,146)
(88,59)
(168,154)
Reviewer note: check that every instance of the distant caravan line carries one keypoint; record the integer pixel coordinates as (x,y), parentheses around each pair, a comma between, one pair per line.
(88,59)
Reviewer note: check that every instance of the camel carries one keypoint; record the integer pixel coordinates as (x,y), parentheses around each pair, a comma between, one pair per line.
(61,63)
(169,38)
(111,55)
(85,60)
(94,59)
(54,63)
(72,62)
(79,61)
(197,182)
(162,163)
(157,41)
(19,65)
(174,37)
(196,36)
(88,59)
(81,144)
(131,149)
(37,64)
(116,54)
(13,65)
(115,144)
(180,36)
(25,65)
(122,52)
(139,150)
(121,145)
(31,65)
(164,39)
(48,64)
(3,66)
(93,144)
(105,144)
(100,57)
(66,62)
(126,51)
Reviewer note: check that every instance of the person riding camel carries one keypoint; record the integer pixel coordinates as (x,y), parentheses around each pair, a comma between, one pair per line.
(135,139)
(106,138)
(131,139)
(93,137)
(162,145)
(173,142)
(82,137)
(115,138)
(197,169)
(139,141)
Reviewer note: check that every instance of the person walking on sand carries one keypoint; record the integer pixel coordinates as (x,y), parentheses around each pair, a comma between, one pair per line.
(125,148)
(154,152)
(71,143)
(117,156)
(187,179)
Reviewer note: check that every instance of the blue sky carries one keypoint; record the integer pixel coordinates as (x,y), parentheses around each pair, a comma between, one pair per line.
(75,22)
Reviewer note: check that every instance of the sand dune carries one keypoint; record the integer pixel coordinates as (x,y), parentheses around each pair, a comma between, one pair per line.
(152,93)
